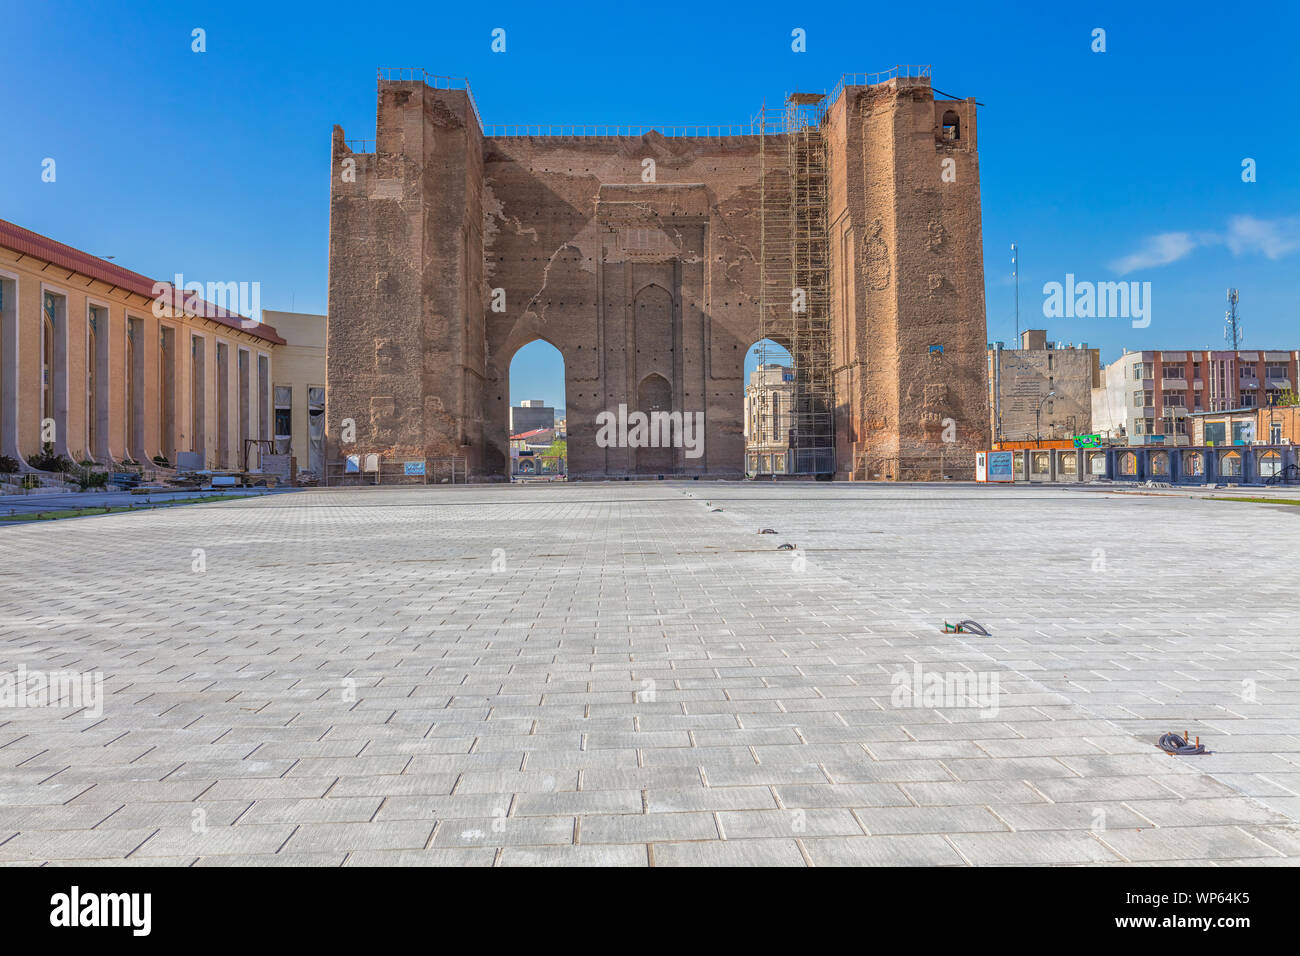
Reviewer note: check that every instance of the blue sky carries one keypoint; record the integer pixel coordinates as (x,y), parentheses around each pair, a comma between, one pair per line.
(1122,164)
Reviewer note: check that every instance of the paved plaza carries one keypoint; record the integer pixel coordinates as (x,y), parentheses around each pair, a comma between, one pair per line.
(630,674)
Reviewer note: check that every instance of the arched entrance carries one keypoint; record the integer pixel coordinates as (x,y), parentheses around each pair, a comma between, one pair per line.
(537,436)
(769,418)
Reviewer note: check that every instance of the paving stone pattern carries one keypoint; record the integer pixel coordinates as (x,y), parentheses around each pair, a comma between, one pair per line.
(617,674)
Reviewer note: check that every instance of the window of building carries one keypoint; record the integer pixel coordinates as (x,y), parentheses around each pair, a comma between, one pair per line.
(283,419)
(134,354)
(1247,400)
(316,429)
(1275,370)
(97,320)
(49,317)
(1173,371)
(1174,398)
(198,397)
(1246,371)
(263,397)
(951,126)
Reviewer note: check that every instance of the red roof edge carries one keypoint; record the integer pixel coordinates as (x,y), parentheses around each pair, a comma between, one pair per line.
(33,244)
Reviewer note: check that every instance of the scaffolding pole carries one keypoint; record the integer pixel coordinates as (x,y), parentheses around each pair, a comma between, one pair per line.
(794,269)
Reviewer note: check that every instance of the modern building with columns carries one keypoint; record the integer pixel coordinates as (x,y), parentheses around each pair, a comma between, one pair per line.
(95,363)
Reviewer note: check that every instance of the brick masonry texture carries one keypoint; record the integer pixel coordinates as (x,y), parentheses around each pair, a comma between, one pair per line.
(648,681)
(650,291)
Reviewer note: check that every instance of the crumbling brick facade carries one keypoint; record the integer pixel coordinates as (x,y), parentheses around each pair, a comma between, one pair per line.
(450,250)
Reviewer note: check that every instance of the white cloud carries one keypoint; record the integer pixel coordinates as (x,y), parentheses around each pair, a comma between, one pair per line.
(1272,238)
(1158,250)
(1246,235)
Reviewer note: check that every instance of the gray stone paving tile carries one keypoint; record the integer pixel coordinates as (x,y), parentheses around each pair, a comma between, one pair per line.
(924,850)
(887,820)
(712,798)
(214,841)
(647,828)
(73,844)
(500,831)
(632,854)
(1188,843)
(326,810)
(1023,848)
(475,856)
(745,824)
(730,853)
(1098,816)
(273,859)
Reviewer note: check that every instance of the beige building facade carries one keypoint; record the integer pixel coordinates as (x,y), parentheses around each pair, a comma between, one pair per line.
(1041,390)
(769,420)
(108,366)
(298,396)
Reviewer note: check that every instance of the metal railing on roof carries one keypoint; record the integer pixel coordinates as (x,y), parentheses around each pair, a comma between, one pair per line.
(905,70)
(612,130)
(416,74)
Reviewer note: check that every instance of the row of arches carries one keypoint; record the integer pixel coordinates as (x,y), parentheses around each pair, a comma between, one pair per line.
(1229,463)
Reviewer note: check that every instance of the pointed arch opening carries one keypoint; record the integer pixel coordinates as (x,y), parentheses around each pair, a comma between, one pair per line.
(537,435)
(769,409)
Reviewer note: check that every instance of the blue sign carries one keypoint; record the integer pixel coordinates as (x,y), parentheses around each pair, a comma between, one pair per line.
(1000,466)
(413,468)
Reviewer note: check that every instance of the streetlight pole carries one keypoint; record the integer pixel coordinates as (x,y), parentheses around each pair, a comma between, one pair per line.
(1015,274)
(1038,432)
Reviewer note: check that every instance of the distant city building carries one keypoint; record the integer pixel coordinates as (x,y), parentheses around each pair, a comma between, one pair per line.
(298,392)
(530,414)
(1022,379)
(769,419)
(108,366)
(1149,398)
(1271,425)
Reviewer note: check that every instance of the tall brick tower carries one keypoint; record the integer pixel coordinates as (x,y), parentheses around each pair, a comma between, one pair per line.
(653,260)
(907,266)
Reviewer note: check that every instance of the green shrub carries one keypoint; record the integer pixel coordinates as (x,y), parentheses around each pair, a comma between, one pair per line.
(88,479)
(47,460)
(8,466)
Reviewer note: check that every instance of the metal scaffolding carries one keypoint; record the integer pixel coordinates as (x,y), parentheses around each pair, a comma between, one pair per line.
(794,269)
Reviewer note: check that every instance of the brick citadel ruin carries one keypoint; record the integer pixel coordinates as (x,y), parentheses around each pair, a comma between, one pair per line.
(844,227)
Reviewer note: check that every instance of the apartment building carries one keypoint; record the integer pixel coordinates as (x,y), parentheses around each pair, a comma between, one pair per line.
(1041,390)
(1148,398)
